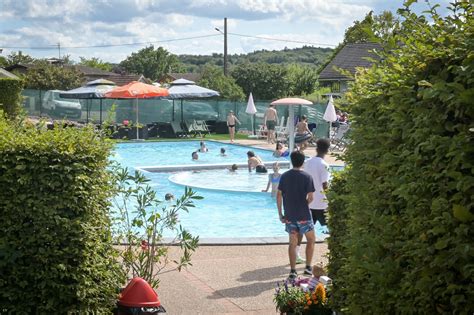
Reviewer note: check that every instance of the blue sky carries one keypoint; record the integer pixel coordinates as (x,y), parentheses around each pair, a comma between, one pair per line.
(79,23)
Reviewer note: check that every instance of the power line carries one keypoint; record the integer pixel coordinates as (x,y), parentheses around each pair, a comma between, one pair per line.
(281,40)
(110,45)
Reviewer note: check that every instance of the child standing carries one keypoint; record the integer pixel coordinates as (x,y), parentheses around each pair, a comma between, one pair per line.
(231,122)
(274,179)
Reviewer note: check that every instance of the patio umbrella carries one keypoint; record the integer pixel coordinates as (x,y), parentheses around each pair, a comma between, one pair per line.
(182,88)
(291,117)
(251,109)
(136,90)
(92,90)
(330,113)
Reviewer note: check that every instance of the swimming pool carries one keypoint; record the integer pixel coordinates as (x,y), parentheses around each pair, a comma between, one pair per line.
(233,204)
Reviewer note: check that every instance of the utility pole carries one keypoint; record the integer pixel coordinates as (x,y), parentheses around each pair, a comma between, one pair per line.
(225,46)
(59,50)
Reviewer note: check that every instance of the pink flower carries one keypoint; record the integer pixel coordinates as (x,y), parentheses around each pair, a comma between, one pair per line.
(144,245)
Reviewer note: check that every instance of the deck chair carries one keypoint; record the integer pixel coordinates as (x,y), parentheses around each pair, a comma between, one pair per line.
(339,140)
(189,127)
(178,131)
(281,126)
(282,135)
(201,127)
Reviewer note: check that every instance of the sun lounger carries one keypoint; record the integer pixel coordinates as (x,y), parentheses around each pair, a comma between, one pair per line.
(178,131)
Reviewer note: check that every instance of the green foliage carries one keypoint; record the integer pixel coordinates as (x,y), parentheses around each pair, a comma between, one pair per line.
(304,56)
(18,58)
(303,80)
(410,185)
(10,96)
(265,81)
(214,78)
(44,76)
(152,63)
(337,223)
(56,254)
(96,63)
(140,218)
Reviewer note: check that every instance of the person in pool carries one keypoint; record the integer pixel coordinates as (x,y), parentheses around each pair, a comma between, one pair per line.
(255,162)
(195,156)
(233,168)
(203,147)
(280,150)
(223,152)
(274,179)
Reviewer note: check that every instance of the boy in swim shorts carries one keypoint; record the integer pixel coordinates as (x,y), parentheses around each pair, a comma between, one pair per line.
(295,192)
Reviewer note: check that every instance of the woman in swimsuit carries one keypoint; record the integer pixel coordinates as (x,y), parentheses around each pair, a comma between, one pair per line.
(255,162)
(231,121)
(303,134)
(280,150)
(274,179)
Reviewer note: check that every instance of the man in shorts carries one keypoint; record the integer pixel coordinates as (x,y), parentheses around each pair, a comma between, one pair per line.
(319,171)
(295,193)
(270,119)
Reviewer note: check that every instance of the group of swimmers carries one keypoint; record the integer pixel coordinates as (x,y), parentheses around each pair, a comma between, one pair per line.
(203,149)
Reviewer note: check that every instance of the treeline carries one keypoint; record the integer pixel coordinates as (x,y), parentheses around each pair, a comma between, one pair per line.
(305,56)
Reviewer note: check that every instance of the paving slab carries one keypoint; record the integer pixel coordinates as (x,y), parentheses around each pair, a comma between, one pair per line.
(229,279)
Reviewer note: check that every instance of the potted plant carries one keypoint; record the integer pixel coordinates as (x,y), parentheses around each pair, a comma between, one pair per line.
(292,299)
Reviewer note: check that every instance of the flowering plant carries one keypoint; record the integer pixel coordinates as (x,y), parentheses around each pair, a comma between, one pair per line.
(291,299)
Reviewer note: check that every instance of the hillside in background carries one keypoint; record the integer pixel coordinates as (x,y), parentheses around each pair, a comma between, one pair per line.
(307,55)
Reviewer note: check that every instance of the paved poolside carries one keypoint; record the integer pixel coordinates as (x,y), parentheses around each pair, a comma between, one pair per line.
(229,279)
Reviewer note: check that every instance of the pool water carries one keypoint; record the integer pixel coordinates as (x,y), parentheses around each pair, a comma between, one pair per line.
(233,204)
(179,153)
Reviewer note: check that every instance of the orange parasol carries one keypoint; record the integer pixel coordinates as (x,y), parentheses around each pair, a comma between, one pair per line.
(137,90)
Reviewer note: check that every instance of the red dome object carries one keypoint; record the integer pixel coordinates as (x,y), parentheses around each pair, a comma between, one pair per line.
(139,293)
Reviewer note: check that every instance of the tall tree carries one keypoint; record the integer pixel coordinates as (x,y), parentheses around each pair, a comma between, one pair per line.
(18,58)
(44,76)
(96,63)
(302,79)
(265,81)
(213,78)
(152,63)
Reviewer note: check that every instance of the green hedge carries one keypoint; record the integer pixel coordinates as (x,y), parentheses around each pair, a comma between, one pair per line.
(337,223)
(410,227)
(10,96)
(55,244)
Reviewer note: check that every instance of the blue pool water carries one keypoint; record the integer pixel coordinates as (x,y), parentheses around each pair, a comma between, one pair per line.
(233,204)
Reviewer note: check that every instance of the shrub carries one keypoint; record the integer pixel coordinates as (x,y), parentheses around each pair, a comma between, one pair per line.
(55,243)
(410,226)
(10,96)
(337,223)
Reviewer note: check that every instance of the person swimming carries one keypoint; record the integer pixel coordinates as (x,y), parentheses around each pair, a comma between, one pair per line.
(256,162)
(203,147)
(274,179)
(280,150)
(223,152)
(233,168)
(195,156)
(169,197)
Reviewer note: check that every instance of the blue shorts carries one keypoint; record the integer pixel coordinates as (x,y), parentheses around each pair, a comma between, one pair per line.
(301,227)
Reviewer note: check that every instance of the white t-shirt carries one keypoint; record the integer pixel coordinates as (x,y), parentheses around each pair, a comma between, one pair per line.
(319,171)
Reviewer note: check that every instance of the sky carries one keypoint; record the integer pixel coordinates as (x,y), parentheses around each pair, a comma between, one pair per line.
(180,26)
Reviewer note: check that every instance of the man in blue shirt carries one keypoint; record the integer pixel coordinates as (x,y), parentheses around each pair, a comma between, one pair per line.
(295,193)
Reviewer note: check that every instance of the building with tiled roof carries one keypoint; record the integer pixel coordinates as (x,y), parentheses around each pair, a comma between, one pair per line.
(191,76)
(350,57)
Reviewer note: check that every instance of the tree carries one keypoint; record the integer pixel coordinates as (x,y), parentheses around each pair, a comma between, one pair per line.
(303,79)
(18,58)
(44,76)
(214,78)
(265,81)
(153,64)
(96,63)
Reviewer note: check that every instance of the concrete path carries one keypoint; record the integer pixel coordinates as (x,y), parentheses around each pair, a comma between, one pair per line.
(229,280)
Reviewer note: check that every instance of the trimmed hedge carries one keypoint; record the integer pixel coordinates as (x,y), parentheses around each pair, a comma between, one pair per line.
(10,96)
(409,247)
(56,254)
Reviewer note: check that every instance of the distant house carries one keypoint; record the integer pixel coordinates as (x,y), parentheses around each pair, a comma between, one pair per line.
(5,74)
(90,74)
(191,76)
(350,57)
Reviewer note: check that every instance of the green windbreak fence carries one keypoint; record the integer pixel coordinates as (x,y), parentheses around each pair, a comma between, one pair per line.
(39,103)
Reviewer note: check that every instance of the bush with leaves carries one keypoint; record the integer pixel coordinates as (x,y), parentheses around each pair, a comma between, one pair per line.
(10,96)
(140,219)
(410,186)
(56,253)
